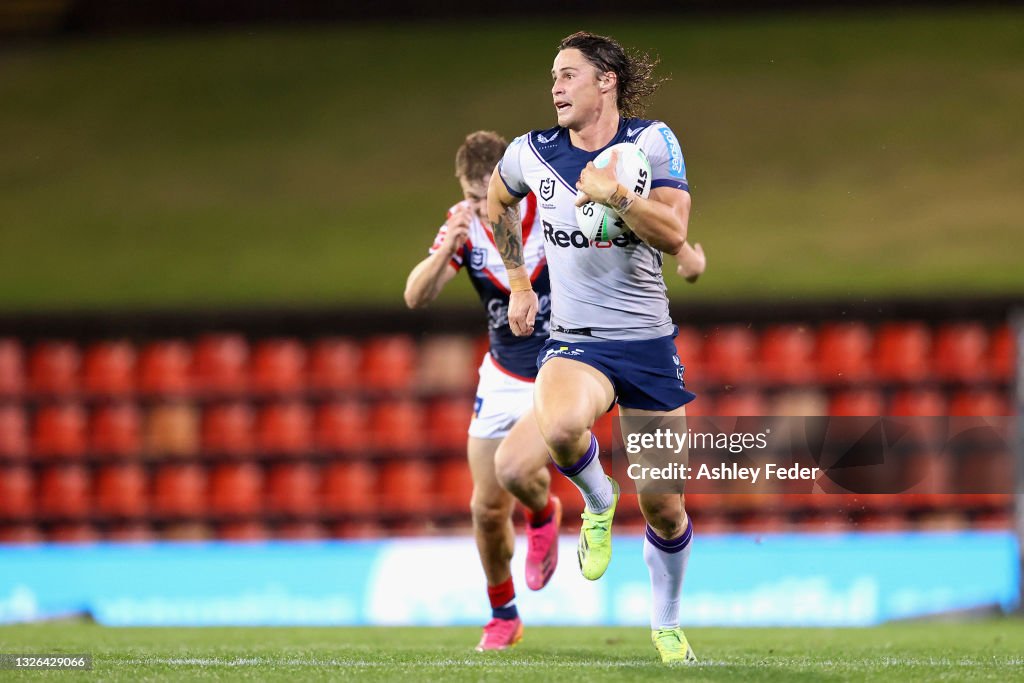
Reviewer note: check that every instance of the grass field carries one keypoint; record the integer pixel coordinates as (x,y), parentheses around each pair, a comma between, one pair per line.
(990,650)
(844,155)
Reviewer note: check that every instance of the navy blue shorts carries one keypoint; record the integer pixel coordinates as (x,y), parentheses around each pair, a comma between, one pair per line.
(645,374)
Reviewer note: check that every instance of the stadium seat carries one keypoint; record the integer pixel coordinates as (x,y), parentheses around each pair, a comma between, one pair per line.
(741,403)
(454,486)
(918,402)
(285,429)
(882,521)
(857,402)
(361,529)
(398,426)
(63,492)
(12,368)
(236,489)
(76,532)
(980,403)
(407,486)
(689,346)
(572,499)
(786,355)
(278,367)
(172,429)
(388,363)
(248,531)
(844,353)
(16,493)
(1002,354)
(165,369)
(60,431)
(229,429)
(130,532)
(902,352)
(121,491)
(448,422)
(300,531)
(20,534)
(447,364)
(349,487)
(116,430)
(179,491)
(960,352)
(926,472)
(292,489)
(799,402)
(109,369)
(187,531)
(14,441)
(342,427)
(334,364)
(219,364)
(54,369)
(730,356)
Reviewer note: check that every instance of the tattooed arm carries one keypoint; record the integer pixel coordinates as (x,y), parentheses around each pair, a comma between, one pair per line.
(503,216)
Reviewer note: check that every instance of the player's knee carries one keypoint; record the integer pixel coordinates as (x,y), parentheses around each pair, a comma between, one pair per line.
(489,515)
(565,438)
(665,515)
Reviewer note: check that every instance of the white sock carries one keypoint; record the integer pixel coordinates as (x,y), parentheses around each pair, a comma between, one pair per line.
(666,560)
(589,477)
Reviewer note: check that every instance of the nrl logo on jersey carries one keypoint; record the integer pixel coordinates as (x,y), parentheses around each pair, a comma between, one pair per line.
(547,188)
(478,258)
(545,140)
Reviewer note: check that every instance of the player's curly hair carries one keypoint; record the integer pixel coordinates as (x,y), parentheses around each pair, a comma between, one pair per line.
(479,154)
(635,70)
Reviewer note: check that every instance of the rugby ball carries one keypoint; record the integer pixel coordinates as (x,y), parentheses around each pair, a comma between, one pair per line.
(597,221)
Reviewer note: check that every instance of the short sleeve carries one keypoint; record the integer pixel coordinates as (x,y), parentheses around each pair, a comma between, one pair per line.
(511,168)
(668,169)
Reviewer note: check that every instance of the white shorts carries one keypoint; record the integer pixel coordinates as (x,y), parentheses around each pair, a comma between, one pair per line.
(501,399)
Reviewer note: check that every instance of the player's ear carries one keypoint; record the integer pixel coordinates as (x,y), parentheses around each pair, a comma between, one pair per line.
(608,81)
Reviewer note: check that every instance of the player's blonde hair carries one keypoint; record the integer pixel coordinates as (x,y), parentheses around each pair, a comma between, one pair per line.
(479,154)
(634,70)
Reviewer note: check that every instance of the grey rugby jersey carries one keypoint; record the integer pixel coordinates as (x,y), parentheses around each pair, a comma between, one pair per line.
(603,290)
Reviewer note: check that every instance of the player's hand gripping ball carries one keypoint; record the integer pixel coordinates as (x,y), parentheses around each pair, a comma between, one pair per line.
(633,171)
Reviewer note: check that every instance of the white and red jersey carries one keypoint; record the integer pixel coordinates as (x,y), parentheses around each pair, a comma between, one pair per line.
(515,355)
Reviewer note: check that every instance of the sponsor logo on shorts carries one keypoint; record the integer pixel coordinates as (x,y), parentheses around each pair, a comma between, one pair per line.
(477,404)
(562,351)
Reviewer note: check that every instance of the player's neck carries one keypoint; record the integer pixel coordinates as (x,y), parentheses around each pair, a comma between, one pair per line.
(598,134)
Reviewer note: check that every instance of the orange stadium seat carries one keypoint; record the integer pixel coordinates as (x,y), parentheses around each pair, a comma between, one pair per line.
(334,364)
(389,363)
(130,532)
(63,492)
(109,369)
(349,487)
(179,490)
(300,531)
(786,354)
(407,486)
(20,534)
(54,368)
(77,532)
(292,489)
(12,368)
(1002,354)
(14,441)
(248,531)
(844,353)
(236,489)
(164,368)
(278,367)
(116,430)
(398,426)
(729,355)
(961,352)
(447,423)
(980,403)
(362,529)
(857,403)
(16,493)
(447,364)
(454,486)
(229,429)
(918,402)
(60,431)
(689,345)
(902,352)
(742,404)
(121,490)
(572,499)
(285,428)
(172,429)
(219,364)
(342,427)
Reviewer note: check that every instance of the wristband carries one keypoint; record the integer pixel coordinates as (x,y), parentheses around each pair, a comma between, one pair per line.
(519,280)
